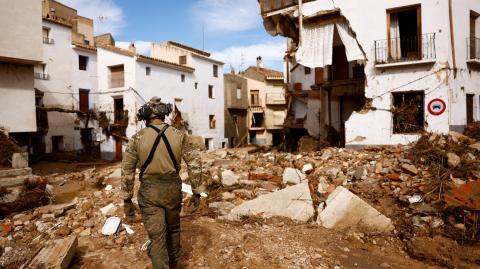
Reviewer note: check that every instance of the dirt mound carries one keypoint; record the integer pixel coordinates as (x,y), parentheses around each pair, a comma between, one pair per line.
(310,144)
(473,130)
(8,146)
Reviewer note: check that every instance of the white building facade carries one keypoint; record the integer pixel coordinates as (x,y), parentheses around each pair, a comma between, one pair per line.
(370,61)
(187,78)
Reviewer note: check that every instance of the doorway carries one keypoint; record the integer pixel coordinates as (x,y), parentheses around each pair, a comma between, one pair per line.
(470,108)
(118,115)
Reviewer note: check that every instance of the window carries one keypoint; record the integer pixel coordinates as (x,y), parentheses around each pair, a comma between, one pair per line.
(117,76)
(182,78)
(408,112)
(211,94)
(84,100)
(470,108)
(404,33)
(474,40)
(239,93)
(308,70)
(215,71)
(254,98)
(258,120)
(183,59)
(82,62)
(148,71)
(86,42)
(46,36)
(57,143)
(41,72)
(213,121)
(196,85)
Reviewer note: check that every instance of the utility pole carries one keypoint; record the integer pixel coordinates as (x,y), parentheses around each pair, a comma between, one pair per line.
(300,21)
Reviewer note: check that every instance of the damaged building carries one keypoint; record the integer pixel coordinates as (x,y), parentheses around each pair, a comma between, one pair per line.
(236,109)
(354,84)
(267,105)
(186,77)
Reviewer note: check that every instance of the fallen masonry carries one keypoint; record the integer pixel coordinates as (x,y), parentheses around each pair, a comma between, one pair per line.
(57,255)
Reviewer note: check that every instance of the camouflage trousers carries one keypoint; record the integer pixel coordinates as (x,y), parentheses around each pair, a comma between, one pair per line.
(160,201)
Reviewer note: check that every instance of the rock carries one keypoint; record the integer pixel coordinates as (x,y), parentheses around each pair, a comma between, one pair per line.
(228,196)
(416,198)
(98,194)
(293,176)
(476,146)
(378,167)
(55,209)
(108,210)
(458,137)
(453,160)
(63,231)
(332,172)
(410,168)
(307,168)
(20,160)
(89,223)
(111,226)
(292,202)
(222,208)
(48,216)
(326,154)
(394,177)
(346,210)
(229,178)
(57,255)
(476,174)
(17,223)
(86,232)
(360,173)
(221,153)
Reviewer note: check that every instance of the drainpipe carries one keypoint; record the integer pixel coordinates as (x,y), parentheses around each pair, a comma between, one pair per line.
(300,22)
(452,39)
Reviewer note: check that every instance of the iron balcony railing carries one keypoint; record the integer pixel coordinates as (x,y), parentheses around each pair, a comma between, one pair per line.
(276,99)
(42,76)
(47,40)
(405,49)
(473,48)
(275,5)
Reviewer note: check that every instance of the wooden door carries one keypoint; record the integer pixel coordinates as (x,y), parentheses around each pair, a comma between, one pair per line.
(118,149)
(84,100)
(319,76)
(469,108)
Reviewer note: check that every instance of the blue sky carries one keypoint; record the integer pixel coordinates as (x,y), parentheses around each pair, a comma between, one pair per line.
(233,28)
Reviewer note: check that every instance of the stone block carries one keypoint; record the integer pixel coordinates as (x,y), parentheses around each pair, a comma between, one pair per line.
(293,202)
(20,160)
(55,256)
(346,210)
(293,176)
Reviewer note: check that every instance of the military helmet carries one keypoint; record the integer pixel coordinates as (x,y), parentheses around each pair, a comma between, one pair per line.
(154,108)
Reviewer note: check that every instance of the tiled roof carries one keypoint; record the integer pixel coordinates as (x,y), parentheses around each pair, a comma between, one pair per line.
(119,50)
(201,52)
(83,46)
(268,73)
(188,68)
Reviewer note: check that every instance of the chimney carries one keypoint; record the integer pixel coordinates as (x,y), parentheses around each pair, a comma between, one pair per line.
(132,48)
(259,62)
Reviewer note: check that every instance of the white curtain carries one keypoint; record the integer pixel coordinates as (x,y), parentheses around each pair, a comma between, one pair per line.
(395,48)
(317,46)
(352,49)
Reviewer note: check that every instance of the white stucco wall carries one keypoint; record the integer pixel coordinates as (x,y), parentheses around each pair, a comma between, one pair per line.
(58,89)
(17,98)
(375,127)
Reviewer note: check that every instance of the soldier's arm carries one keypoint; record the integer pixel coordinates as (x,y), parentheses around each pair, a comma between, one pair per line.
(129,165)
(191,156)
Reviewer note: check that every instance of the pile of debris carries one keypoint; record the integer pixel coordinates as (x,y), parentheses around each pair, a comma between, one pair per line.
(8,147)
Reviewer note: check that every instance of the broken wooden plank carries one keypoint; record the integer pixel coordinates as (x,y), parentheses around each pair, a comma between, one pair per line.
(57,255)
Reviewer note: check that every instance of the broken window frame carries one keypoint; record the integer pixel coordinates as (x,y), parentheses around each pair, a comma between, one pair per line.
(413,122)
(212,122)
(255,98)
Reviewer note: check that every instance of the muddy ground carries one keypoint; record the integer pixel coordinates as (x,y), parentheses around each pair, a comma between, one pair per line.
(210,242)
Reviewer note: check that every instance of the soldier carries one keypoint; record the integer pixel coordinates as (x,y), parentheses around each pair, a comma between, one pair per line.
(158,150)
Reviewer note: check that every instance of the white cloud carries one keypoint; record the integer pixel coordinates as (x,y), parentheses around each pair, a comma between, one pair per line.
(227,15)
(108,16)
(241,57)
(143,47)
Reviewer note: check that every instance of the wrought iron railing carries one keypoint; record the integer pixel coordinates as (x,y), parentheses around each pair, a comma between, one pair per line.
(274,5)
(276,99)
(47,40)
(473,48)
(405,49)
(42,76)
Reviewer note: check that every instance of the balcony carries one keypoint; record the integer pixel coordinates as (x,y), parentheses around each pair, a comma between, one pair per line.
(47,40)
(269,6)
(276,99)
(473,50)
(41,76)
(405,51)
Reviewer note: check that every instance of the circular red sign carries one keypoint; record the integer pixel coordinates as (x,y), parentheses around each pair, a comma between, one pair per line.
(437,107)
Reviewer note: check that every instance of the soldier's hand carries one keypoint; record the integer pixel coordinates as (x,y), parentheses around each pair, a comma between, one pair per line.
(195,202)
(129,210)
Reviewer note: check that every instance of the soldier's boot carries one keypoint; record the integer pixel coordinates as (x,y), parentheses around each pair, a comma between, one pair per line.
(179,265)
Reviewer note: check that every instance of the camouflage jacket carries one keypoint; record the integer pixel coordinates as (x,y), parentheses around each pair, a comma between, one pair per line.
(140,146)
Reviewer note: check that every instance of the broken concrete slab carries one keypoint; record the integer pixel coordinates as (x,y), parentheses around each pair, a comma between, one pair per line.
(293,176)
(55,209)
(9,182)
(293,202)
(108,210)
(410,168)
(222,208)
(345,210)
(20,160)
(111,226)
(55,256)
(229,178)
(15,172)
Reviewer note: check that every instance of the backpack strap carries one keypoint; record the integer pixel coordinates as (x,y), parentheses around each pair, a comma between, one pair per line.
(154,148)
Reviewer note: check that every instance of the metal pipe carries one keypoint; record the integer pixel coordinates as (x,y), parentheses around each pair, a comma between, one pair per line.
(300,21)
(452,39)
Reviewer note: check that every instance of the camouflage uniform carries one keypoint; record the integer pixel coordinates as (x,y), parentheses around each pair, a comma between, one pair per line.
(160,193)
